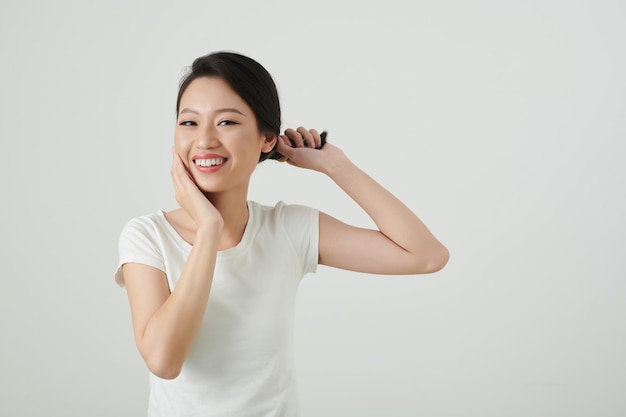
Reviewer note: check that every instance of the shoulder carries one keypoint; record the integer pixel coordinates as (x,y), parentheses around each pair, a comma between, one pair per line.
(291,227)
(142,234)
(147,224)
(297,223)
(139,242)
(284,214)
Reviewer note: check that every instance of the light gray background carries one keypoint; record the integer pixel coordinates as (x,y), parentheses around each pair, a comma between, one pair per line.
(501,123)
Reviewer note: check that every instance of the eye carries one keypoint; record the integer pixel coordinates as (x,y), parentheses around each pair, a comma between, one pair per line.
(226,123)
(187,123)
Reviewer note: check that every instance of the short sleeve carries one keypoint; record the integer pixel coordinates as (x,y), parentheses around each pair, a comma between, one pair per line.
(138,243)
(301,224)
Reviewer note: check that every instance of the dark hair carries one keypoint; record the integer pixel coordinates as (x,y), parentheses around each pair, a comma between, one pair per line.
(250,80)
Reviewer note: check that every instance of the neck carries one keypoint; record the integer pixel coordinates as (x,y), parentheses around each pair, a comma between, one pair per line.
(233,208)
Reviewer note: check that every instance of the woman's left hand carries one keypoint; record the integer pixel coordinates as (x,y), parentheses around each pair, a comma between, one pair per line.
(303,148)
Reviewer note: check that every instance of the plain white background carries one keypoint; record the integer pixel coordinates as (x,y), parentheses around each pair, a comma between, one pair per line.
(501,123)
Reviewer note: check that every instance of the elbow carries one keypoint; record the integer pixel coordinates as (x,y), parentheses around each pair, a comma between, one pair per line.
(162,365)
(434,261)
(440,259)
(163,369)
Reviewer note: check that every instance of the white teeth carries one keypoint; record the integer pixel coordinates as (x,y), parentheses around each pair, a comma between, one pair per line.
(209,162)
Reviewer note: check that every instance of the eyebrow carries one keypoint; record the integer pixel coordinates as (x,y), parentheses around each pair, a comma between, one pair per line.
(223,110)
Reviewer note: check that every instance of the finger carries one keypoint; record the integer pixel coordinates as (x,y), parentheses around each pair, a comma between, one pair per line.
(175,165)
(181,177)
(295,137)
(181,168)
(317,138)
(176,168)
(284,147)
(307,137)
(175,172)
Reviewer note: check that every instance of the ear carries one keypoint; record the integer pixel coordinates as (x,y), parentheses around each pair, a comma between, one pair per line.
(269,143)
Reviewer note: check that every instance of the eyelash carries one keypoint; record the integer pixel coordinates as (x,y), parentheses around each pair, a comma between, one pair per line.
(221,123)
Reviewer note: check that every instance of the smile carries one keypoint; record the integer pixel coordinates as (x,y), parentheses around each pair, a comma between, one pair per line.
(209,162)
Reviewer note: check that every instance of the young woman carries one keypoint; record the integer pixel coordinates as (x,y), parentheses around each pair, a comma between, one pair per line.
(212,284)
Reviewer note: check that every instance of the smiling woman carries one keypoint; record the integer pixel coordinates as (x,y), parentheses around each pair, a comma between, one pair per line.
(212,310)
(215,118)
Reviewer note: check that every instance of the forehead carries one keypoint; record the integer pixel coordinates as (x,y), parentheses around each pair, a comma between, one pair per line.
(211,92)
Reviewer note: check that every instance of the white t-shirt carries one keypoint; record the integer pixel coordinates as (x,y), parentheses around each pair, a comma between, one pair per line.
(242,362)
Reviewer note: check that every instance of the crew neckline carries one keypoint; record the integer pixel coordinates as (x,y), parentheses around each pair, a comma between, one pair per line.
(240,247)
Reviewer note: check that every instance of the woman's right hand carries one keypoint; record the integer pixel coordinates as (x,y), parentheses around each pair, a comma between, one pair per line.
(191,198)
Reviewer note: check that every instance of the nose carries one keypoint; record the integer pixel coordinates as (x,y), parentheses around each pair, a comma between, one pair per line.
(207,138)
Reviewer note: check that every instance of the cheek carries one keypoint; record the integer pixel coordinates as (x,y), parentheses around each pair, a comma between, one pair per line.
(181,147)
(180,142)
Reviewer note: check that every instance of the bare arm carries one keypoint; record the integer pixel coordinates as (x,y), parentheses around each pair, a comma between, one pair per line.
(166,325)
(401,245)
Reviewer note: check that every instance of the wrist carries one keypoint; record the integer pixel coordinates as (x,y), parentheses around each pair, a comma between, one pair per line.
(339,167)
(211,228)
